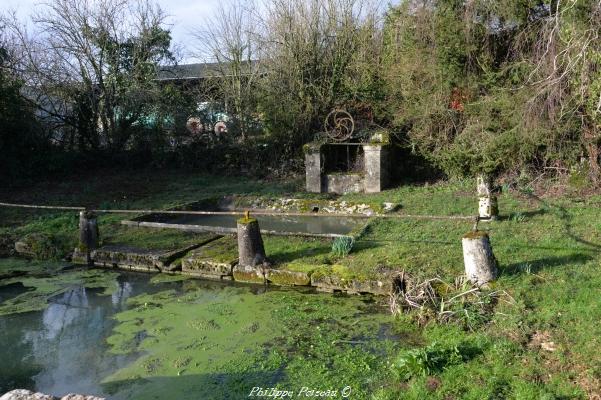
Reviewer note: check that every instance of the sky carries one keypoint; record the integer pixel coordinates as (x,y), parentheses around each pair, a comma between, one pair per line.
(184,15)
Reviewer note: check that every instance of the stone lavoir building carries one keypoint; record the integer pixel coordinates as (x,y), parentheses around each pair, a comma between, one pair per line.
(347,167)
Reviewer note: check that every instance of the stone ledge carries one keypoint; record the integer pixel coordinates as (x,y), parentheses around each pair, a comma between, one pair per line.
(213,260)
(192,265)
(333,283)
(284,277)
(22,394)
(248,274)
(217,260)
(138,259)
(127,257)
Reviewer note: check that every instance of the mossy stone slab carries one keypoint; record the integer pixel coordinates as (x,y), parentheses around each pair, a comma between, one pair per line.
(127,257)
(249,274)
(214,260)
(284,277)
(332,283)
(139,258)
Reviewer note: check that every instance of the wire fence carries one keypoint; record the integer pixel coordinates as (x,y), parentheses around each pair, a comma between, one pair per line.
(242,212)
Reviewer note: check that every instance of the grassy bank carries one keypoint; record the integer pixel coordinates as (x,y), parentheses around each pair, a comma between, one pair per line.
(539,341)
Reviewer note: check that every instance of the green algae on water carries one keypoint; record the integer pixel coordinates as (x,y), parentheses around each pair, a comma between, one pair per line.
(44,280)
(166,277)
(220,344)
(186,335)
(10,267)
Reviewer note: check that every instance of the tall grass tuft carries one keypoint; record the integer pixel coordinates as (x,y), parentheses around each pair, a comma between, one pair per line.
(342,245)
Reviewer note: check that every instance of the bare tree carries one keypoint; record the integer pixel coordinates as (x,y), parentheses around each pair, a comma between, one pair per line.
(318,53)
(567,58)
(93,62)
(230,41)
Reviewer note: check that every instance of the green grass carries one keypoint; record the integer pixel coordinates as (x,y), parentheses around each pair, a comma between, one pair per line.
(160,239)
(223,250)
(549,250)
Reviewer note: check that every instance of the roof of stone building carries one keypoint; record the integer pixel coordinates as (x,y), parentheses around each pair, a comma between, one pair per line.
(200,70)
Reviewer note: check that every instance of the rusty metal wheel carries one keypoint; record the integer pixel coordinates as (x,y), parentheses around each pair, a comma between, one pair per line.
(194,125)
(339,125)
(220,128)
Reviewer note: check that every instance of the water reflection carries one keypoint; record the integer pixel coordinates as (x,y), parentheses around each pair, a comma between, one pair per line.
(322,224)
(122,294)
(63,349)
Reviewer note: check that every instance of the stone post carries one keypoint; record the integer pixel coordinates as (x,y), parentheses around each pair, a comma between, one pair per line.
(480,262)
(88,234)
(251,251)
(313,167)
(488,208)
(376,171)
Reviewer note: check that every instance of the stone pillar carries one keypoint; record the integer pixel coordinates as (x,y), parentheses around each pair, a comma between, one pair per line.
(313,167)
(480,262)
(88,234)
(251,251)
(376,168)
(488,208)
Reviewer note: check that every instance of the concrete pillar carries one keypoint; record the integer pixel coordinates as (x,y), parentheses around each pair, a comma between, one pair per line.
(376,167)
(88,234)
(488,208)
(478,258)
(251,251)
(313,167)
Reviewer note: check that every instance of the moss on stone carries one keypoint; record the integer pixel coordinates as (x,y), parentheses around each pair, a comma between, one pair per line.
(311,148)
(38,246)
(475,235)
(223,250)
(302,266)
(248,274)
(285,277)
(246,221)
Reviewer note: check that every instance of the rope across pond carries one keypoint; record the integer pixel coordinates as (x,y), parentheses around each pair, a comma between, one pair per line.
(241,213)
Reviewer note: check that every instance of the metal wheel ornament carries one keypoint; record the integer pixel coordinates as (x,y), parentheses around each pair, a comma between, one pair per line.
(339,125)
(194,125)
(220,128)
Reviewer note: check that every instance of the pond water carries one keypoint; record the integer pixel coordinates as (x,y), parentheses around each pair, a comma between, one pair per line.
(161,336)
(319,225)
(63,348)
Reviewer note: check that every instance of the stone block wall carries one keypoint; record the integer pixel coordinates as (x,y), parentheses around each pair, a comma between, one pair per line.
(376,167)
(313,168)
